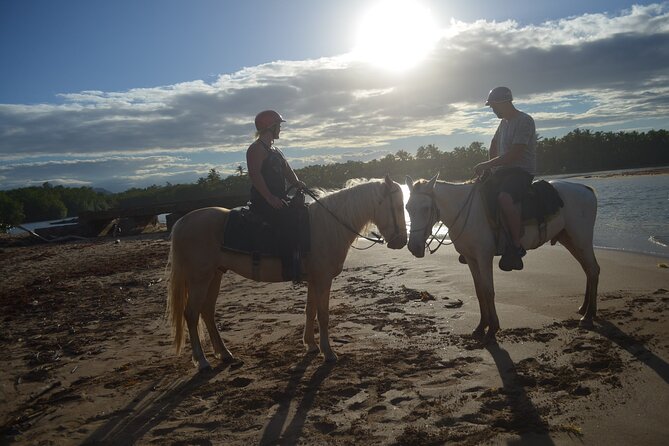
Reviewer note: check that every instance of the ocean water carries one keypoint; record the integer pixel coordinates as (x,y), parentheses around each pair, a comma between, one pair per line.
(632,214)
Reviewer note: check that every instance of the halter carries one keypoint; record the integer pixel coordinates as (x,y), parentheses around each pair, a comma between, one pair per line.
(435,210)
(378,240)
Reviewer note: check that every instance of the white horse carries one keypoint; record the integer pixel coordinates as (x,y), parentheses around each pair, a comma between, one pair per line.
(460,208)
(197,262)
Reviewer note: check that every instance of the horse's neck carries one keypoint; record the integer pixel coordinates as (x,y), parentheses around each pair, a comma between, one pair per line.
(451,199)
(354,207)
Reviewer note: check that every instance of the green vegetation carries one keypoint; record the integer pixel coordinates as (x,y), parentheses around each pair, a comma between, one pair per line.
(48,202)
(578,151)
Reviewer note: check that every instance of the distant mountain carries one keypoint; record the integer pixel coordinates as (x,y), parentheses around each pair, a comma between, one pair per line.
(101,190)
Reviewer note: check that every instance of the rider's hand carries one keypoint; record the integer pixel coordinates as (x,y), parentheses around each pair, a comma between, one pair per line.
(300,184)
(480,168)
(276,202)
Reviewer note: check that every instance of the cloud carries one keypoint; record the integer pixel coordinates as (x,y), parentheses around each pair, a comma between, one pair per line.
(595,70)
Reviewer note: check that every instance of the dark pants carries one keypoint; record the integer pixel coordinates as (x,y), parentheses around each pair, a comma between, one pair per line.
(285,224)
(514,181)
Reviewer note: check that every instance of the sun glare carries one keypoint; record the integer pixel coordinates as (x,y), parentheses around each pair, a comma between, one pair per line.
(395,34)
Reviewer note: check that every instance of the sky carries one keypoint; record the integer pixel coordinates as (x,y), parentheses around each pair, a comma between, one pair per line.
(129,93)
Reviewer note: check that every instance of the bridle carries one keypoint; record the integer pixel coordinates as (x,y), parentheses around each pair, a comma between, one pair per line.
(378,240)
(396,228)
(434,216)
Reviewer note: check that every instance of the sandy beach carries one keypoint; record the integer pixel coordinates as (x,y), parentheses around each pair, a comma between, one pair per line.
(88,358)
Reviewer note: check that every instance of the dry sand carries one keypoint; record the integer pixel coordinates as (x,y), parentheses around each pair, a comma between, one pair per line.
(87,357)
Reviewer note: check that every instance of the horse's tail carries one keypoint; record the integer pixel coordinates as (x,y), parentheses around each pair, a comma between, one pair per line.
(177,291)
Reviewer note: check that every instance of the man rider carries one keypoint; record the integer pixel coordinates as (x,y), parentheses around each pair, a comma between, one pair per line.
(512,162)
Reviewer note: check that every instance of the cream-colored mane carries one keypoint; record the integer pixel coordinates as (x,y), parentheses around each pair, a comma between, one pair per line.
(354,204)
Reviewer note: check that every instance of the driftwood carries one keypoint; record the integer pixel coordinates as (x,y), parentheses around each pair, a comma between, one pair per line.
(52,240)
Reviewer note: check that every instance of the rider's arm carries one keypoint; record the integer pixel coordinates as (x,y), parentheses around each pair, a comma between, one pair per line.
(493,152)
(514,154)
(291,177)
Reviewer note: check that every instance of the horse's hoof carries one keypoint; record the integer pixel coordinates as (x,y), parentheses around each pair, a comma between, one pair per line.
(479,335)
(313,350)
(330,358)
(489,339)
(228,359)
(586,323)
(205,368)
(224,357)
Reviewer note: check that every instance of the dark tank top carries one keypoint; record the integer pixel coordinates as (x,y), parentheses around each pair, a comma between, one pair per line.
(272,171)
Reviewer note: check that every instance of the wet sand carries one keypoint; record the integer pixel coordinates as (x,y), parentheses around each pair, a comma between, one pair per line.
(88,357)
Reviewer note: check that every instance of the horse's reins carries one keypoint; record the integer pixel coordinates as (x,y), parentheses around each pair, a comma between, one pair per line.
(434,209)
(378,239)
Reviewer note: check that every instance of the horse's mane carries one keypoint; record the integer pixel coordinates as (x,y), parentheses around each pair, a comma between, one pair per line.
(321,192)
(419,185)
(351,203)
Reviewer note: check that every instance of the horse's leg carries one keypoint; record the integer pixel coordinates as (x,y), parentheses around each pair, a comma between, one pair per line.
(485,292)
(197,296)
(322,299)
(209,317)
(479,332)
(585,255)
(310,312)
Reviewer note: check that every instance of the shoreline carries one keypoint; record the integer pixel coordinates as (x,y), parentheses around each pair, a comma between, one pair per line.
(662,170)
(408,372)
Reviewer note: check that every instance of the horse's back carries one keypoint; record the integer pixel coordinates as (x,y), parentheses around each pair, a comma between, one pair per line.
(201,224)
(578,198)
(580,208)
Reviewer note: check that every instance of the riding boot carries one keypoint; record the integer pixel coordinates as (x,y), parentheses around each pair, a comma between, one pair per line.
(512,259)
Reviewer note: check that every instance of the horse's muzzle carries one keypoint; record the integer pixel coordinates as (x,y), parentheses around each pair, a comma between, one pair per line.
(416,248)
(397,242)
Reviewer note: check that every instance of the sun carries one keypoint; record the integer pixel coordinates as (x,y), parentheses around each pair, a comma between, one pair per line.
(395,34)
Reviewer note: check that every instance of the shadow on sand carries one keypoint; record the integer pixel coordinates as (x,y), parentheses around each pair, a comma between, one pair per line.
(274,432)
(634,346)
(526,421)
(148,409)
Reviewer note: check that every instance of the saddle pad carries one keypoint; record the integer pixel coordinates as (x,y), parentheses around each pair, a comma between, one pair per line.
(245,232)
(539,204)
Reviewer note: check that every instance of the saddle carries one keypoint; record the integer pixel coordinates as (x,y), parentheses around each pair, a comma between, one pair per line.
(540,204)
(249,233)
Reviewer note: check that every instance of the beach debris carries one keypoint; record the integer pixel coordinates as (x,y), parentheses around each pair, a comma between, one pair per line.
(457,303)
(425,296)
(662,265)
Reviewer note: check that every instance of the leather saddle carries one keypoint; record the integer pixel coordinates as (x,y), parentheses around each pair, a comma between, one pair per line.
(249,233)
(539,205)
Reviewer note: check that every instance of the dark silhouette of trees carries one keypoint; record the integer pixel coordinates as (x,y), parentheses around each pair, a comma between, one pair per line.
(588,151)
(11,212)
(577,151)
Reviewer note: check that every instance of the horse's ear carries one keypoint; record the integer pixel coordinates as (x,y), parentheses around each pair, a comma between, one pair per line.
(387,180)
(433,181)
(409,182)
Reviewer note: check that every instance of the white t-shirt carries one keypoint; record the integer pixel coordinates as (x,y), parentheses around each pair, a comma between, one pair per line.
(518,130)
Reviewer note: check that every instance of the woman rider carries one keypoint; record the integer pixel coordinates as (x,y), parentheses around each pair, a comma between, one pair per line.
(269,171)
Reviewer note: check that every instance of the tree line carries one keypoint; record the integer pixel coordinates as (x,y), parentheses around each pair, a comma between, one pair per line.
(577,151)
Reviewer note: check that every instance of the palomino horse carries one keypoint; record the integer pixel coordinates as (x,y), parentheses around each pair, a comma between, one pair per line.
(460,208)
(197,262)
